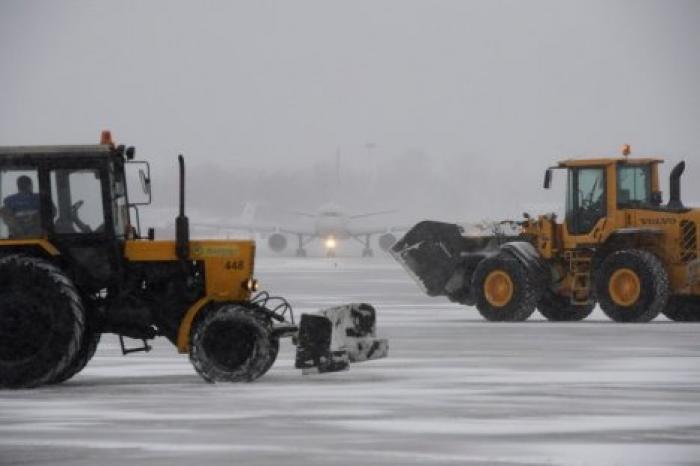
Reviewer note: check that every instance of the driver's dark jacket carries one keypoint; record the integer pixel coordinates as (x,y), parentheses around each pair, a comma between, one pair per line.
(25,208)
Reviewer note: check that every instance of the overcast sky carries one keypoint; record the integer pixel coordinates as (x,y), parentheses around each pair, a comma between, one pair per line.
(486,94)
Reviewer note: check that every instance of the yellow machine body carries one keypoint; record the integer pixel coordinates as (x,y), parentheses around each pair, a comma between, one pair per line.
(670,233)
(228,272)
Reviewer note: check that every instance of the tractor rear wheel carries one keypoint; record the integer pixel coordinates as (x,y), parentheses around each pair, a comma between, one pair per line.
(503,289)
(556,307)
(42,322)
(632,286)
(683,309)
(232,343)
(87,350)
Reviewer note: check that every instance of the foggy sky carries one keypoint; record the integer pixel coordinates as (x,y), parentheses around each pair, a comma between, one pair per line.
(467,102)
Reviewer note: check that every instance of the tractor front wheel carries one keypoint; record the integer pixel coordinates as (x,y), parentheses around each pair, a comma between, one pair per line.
(556,307)
(232,343)
(42,322)
(632,286)
(503,289)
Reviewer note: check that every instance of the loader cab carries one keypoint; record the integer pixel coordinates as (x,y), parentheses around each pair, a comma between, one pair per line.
(78,202)
(597,189)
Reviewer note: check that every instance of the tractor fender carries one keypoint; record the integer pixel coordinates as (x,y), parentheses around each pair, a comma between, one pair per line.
(185,328)
(183,333)
(530,258)
(41,247)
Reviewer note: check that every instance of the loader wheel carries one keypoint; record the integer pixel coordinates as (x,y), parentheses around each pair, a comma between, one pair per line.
(632,286)
(42,322)
(503,289)
(559,308)
(683,309)
(232,343)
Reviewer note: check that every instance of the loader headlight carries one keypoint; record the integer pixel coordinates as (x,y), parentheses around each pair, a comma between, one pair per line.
(330,243)
(250,285)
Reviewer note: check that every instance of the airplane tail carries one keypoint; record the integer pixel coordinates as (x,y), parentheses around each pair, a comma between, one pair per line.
(248,214)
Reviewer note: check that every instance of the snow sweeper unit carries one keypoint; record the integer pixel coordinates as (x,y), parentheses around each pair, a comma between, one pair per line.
(618,246)
(73,265)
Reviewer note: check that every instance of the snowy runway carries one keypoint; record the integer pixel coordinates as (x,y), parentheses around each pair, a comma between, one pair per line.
(454,390)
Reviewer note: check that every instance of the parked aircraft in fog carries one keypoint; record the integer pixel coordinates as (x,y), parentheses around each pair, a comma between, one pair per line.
(330,225)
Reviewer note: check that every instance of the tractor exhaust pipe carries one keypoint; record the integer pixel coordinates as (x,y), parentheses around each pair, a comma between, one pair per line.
(182,224)
(674,201)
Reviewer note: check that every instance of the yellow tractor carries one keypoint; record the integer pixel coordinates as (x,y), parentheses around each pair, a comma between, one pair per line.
(618,246)
(73,265)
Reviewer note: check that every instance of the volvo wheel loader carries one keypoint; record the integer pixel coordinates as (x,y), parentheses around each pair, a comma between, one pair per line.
(618,246)
(73,265)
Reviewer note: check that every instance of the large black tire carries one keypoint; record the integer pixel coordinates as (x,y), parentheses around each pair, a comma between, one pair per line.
(42,322)
(87,350)
(519,299)
(683,309)
(559,308)
(232,343)
(648,290)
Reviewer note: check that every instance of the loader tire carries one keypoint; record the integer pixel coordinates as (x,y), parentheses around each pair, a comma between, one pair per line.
(559,308)
(42,322)
(232,343)
(503,289)
(632,286)
(683,309)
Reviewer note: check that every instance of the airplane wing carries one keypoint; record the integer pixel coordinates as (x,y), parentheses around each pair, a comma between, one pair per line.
(234,226)
(292,231)
(359,231)
(372,214)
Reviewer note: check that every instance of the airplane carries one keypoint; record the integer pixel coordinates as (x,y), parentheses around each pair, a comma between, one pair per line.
(331,225)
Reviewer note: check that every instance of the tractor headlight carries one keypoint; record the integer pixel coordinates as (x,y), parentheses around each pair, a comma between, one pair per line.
(251,285)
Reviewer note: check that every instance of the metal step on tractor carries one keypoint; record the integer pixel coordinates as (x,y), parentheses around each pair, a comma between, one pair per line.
(618,246)
(74,265)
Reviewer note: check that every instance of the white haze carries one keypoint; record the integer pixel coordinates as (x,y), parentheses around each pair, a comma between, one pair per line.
(466,102)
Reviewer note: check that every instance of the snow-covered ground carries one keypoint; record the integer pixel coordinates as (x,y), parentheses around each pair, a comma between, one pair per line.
(454,390)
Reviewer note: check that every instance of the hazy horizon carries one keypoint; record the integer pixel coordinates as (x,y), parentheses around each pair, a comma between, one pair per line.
(464,104)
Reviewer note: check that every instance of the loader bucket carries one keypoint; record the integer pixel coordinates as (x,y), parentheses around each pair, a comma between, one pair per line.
(441,259)
(331,339)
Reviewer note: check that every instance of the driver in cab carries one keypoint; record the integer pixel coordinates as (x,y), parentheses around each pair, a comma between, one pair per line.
(21,211)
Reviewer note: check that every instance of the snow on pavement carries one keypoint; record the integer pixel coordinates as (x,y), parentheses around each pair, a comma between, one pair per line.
(454,390)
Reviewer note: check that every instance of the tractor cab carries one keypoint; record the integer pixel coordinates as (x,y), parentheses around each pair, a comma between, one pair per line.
(71,199)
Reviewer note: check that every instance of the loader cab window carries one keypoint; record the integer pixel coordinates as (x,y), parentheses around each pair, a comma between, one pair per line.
(20,204)
(77,195)
(585,199)
(633,185)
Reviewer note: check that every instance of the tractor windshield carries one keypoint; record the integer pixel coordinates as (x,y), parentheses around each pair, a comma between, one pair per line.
(78,196)
(633,185)
(120,208)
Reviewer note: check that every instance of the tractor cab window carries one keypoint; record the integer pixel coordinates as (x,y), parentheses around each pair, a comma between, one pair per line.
(119,206)
(78,197)
(633,185)
(585,200)
(20,209)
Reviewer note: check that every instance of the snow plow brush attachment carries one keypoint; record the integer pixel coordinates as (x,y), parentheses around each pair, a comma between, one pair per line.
(331,339)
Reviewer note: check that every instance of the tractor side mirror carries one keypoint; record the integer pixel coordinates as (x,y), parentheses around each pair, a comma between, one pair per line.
(138,172)
(145,182)
(548,178)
